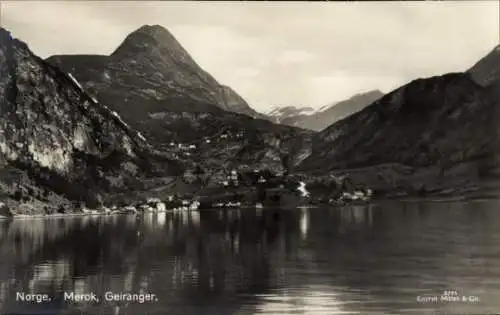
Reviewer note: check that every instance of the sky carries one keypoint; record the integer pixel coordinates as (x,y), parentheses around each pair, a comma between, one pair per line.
(281,53)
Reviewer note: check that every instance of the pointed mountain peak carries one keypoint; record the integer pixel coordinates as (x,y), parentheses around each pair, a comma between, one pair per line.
(157,32)
(148,38)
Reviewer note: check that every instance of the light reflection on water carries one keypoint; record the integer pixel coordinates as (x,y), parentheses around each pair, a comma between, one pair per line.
(370,260)
(306,300)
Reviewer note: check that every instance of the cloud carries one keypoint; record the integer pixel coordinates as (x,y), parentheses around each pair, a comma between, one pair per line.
(279,53)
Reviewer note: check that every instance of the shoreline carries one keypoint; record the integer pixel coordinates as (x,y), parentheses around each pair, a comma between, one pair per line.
(375,201)
(103,214)
(74,215)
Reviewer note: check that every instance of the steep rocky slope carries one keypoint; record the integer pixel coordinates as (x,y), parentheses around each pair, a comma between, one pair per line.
(340,110)
(153,83)
(57,143)
(439,129)
(235,103)
(325,116)
(487,70)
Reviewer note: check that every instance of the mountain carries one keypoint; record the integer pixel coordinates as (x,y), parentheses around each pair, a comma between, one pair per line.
(58,144)
(288,115)
(152,82)
(149,72)
(487,70)
(338,111)
(289,111)
(317,120)
(430,133)
(235,103)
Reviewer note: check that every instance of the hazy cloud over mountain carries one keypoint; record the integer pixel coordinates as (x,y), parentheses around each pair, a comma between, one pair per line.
(279,53)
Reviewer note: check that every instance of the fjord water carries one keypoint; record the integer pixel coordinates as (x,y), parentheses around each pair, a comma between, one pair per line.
(374,259)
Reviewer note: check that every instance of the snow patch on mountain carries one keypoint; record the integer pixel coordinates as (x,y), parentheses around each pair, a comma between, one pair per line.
(323,108)
(289,111)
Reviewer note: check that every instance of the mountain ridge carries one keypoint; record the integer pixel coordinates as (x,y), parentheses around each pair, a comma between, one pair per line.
(324,116)
(425,129)
(487,69)
(171,71)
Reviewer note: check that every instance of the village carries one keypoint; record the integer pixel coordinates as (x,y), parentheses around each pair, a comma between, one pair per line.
(236,187)
(181,150)
(232,187)
(251,189)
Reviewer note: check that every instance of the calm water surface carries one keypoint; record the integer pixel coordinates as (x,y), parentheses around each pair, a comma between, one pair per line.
(369,260)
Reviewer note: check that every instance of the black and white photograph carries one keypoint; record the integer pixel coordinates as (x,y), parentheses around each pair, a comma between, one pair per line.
(249,157)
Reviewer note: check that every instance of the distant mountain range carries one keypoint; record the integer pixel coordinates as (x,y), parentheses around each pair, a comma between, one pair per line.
(317,120)
(282,114)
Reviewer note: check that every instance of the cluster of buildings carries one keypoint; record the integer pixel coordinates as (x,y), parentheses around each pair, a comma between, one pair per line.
(182,149)
(236,178)
(186,150)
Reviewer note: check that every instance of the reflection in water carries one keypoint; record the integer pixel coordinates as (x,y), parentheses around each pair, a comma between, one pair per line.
(161,218)
(356,217)
(307,300)
(304,222)
(372,259)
